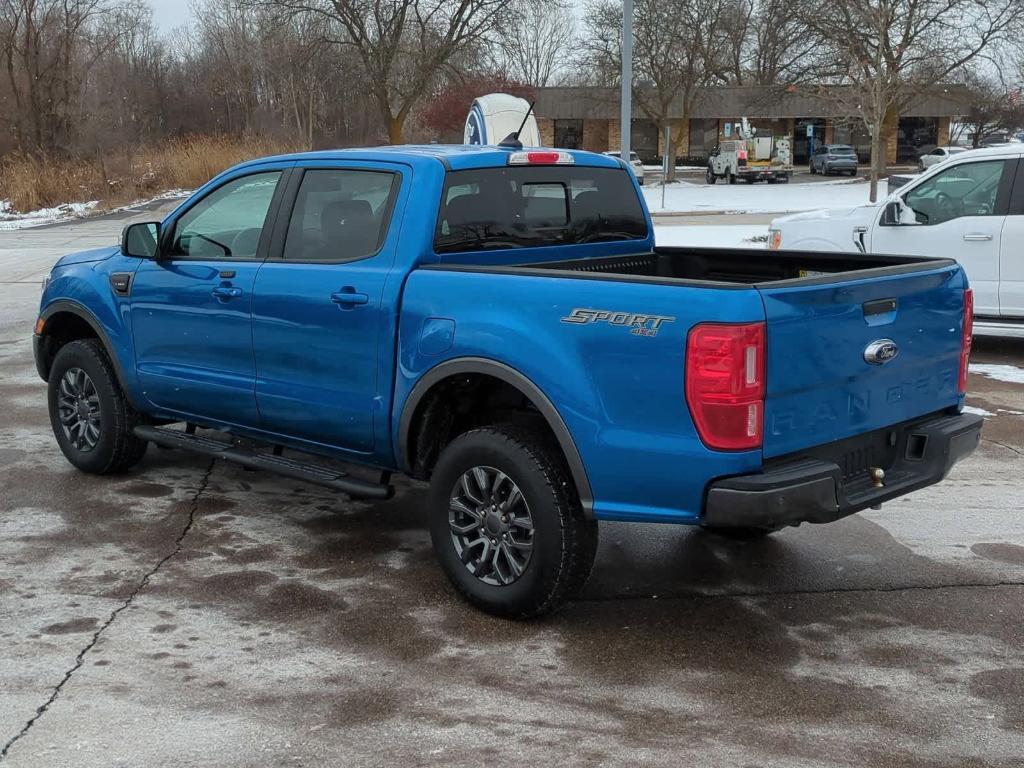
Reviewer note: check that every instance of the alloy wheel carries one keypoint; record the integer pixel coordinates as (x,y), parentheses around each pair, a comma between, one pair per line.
(78,406)
(490,525)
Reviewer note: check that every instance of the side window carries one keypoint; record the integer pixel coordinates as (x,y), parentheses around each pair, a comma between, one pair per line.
(227,223)
(340,215)
(969,189)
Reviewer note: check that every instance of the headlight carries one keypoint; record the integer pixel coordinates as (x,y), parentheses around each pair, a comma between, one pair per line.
(774,239)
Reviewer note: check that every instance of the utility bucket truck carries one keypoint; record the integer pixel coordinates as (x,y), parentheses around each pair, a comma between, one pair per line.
(751,157)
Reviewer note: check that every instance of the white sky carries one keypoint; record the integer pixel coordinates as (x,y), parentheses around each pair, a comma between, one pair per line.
(169,14)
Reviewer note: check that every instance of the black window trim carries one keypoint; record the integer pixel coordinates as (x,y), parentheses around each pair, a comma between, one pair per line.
(1011,167)
(167,235)
(284,216)
(1015,205)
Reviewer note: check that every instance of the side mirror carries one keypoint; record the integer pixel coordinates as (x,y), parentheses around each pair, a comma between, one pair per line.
(891,214)
(141,240)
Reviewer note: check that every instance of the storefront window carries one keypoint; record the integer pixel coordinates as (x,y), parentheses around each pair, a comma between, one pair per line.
(916,136)
(569,134)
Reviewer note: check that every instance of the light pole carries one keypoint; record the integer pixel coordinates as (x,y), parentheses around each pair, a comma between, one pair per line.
(626,115)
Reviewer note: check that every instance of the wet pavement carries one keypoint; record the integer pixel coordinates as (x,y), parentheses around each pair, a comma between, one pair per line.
(193,614)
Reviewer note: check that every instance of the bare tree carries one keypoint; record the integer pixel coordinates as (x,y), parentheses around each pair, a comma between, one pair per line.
(893,51)
(535,45)
(990,109)
(402,45)
(778,47)
(679,48)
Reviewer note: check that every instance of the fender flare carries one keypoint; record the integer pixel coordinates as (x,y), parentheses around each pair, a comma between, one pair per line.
(515,379)
(79,310)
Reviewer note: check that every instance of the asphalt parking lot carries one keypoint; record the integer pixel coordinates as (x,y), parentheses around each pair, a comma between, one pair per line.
(194,614)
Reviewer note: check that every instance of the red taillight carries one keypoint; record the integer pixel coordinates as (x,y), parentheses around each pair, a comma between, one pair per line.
(742,154)
(965,348)
(725,372)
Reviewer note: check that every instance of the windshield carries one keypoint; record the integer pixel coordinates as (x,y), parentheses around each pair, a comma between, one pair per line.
(533,206)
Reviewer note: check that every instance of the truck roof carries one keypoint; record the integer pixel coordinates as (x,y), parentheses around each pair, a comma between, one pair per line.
(452,156)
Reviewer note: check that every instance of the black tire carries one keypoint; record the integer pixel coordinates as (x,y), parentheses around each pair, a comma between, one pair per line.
(826,170)
(813,172)
(710,177)
(784,179)
(739,533)
(730,177)
(564,543)
(115,448)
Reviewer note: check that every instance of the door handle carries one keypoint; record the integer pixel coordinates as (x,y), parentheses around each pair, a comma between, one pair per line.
(977,237)
(225,292)
(347,297)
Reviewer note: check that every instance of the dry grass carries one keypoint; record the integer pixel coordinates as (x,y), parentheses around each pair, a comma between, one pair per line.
(32,182)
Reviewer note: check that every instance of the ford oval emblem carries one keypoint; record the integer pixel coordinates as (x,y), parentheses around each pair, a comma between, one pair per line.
(881,351)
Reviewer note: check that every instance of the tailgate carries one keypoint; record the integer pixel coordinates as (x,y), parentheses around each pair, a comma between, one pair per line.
(820,385)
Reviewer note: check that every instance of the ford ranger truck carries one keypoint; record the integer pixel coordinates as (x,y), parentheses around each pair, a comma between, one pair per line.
(499,322)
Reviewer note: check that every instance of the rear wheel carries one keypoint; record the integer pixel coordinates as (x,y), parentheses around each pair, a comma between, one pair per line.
(813,172)
(731,178)
(91,418)
(506,523)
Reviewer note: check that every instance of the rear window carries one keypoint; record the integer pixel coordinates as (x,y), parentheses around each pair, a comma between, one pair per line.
(530,207)
(842,150)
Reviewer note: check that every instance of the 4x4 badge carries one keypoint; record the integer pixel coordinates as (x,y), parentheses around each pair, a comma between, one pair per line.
(881,351)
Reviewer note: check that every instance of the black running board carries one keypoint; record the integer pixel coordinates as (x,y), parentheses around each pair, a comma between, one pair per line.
(317,474)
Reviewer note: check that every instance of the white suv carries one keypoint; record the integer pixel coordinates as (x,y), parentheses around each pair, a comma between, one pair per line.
(969,208)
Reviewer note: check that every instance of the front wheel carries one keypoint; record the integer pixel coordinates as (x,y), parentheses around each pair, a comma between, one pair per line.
(506,523)
(90,415)
(710,177)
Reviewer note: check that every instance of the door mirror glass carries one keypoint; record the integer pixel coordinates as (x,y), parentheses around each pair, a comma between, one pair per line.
(141,240)
(891,214)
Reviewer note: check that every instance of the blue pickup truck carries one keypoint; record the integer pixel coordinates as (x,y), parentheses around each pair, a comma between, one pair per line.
(500,323)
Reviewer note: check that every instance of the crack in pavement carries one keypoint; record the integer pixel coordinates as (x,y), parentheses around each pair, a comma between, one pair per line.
(801,592)
(1003,445)
(80,658)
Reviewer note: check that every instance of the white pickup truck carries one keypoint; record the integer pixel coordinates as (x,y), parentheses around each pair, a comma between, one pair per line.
(969,207)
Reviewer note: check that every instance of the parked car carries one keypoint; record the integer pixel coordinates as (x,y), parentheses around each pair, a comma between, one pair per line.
(834,158)
(500,323)
(938,155)
(970,207)
(635,163)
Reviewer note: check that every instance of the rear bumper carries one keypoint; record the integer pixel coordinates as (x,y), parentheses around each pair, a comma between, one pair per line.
(807,489)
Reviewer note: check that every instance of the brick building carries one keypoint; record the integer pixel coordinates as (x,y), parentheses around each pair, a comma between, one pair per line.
(588,118)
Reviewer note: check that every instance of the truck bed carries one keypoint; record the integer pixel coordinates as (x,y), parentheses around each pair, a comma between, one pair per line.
(740,267)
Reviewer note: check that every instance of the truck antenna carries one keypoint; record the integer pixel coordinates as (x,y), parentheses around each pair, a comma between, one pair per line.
(512,140)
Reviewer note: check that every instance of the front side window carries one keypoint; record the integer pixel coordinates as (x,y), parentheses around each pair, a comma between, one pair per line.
(533,206)
(227,223)
(340,214)
(969,189)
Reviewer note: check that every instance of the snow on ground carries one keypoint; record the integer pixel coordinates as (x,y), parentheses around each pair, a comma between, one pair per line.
(712,236)
(1011,374)
(9,220)
(977,411)
(758,198)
